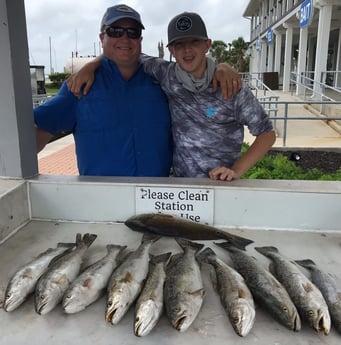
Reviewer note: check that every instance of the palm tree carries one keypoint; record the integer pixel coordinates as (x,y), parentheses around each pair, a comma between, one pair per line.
(218,51)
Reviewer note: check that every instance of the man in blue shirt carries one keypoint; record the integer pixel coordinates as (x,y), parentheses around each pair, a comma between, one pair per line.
(121,127)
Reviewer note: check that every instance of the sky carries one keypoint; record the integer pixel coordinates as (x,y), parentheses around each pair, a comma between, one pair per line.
(56,29)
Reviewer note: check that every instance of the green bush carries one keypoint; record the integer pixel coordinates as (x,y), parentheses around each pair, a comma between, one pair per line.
(279,167)
(58,78)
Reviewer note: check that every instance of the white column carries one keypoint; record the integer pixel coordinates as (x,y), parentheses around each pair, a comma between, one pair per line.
(287,57)
(325,16)
(270,57)
(263,53)
(278,51)
(338,62)
(18,156)
(302,58)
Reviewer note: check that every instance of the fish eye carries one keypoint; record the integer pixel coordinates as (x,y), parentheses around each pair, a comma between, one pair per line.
(109,304)
(42,297)
(311,312)
(285,309)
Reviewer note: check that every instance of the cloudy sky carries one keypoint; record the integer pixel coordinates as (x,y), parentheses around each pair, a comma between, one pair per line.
(73,25)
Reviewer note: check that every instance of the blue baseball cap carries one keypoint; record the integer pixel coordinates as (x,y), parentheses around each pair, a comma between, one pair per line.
(117,12)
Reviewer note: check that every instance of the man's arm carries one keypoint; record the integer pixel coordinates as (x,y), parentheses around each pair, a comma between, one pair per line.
(42,138)
(261,145)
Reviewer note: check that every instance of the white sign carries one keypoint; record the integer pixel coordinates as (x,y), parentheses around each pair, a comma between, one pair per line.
(194,204)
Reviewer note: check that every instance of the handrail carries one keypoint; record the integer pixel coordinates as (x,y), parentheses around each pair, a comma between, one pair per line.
(286,118)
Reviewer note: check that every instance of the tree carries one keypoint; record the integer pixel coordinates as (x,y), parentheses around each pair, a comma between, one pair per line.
(218,51)
(233,53)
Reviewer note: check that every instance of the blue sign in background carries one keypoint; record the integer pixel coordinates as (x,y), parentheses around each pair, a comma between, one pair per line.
(269,36)
(306,13)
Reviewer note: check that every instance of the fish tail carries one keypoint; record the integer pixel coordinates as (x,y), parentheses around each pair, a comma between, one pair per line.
(183,243)
(306,263)
(206,256)
(114,247)
(150,237)
(226,245)
(65,244)
(86,240)
(238,241)
(267,250)
(155,259)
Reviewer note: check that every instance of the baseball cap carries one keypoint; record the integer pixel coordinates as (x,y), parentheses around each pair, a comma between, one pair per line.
(117,12)
(186,25)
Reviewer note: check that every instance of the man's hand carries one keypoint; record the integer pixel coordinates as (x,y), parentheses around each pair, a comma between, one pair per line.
(223,174)
(76,81)
(228,79)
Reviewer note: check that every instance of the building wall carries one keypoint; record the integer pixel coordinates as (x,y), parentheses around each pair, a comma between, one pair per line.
(278,43)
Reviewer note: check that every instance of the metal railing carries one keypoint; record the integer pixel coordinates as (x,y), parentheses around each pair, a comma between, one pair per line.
(286,118)
(40,99)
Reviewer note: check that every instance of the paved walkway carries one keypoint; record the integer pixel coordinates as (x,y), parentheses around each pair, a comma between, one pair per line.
(58,157)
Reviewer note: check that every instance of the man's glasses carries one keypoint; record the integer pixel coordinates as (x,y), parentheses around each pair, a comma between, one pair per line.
(116,32)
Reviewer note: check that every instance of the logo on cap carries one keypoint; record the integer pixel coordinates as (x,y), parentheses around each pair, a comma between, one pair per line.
(183,24)
(125,8)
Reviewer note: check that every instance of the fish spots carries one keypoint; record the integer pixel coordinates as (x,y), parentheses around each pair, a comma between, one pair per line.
(128,278)
(88,282)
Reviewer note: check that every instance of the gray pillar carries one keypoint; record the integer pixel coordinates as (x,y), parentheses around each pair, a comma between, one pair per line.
(17,139)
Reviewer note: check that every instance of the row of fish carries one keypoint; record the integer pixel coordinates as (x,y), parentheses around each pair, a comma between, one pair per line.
(175,281)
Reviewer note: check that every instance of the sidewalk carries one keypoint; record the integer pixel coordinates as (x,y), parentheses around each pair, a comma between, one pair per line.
(58,157)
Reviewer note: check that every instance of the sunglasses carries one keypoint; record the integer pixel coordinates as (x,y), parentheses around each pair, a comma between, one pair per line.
(116,32)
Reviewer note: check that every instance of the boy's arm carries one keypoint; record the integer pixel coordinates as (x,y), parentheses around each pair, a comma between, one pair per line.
(42,138)
(228,79)
(85,76)
(261,145)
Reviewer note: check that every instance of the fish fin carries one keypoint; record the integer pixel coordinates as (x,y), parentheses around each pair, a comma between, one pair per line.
(266,250)
(184,244)
(308,287)
(57,257)
(173,260)
(238,241)
(205,255)
(227,246)
(127,278)
(306,263)
(242,293)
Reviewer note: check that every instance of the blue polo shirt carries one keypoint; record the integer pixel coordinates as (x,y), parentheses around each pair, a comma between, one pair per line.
(121,127)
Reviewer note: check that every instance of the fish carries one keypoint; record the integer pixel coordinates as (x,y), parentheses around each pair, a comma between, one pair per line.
(328,287)
(23,281)
(149,305)
(168,225)
(127,280)
(184,291)
(90,285)
(306,296)
(235,296)
(52,285)
(265,288)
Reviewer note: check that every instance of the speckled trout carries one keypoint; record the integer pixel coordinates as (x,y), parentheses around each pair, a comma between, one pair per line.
(235,296)
(90,285)
(306,296)
(168,225)
(265,288)
(149,305)
(330,291)
(52,285)
(184,291)
(127,280)
(23,281)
